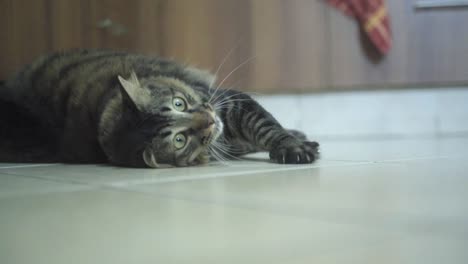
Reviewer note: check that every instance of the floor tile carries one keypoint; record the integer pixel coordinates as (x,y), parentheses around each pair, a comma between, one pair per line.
(415,197)
(121,227)
(110,227)
(390,187)
(13,185)
(22,165)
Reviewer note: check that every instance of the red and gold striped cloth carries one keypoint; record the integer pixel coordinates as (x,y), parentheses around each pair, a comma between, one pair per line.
(372,16)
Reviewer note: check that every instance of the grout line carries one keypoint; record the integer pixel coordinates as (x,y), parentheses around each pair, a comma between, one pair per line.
(119,185)
(227,174)
(431,135)
(29,166)
(399,160)
(51,179)
(74,186)
(347,160)
(43,191)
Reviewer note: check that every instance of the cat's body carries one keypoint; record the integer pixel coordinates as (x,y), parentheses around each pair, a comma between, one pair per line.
(88,106)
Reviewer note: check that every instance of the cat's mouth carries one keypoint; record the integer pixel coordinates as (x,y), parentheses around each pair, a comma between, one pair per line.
(150,159)
(218,128)
(206,140)
(213,132)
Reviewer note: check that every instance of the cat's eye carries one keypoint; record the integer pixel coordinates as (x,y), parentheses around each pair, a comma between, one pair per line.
(179,104)
(179,141)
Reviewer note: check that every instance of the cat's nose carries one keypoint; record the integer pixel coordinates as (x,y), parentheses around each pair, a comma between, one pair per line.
(202,120)
(208,122)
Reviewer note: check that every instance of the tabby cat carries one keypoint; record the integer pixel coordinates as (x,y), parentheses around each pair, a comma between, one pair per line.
(94,106)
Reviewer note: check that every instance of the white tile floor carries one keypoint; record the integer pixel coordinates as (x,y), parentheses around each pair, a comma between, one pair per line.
(372,198)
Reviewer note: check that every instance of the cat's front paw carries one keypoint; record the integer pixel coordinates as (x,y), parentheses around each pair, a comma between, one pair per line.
(295,153)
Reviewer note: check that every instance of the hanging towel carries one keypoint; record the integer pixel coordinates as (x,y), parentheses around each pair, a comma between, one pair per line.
(372,17)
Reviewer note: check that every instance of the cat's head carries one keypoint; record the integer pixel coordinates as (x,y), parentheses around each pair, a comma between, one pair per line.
(166,120)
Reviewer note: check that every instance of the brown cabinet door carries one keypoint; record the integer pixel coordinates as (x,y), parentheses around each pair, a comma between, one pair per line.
(23,27)
(32,28)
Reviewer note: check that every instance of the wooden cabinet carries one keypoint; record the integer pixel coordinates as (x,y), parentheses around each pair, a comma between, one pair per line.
(282,45)
(22,28)
(31,28)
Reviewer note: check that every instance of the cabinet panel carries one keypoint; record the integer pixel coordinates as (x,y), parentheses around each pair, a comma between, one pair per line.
(69,23)
(430,47)
(289,38)
(208,33)
(438,48)
(24,27)
(32,28)
(283,42)
(121,24)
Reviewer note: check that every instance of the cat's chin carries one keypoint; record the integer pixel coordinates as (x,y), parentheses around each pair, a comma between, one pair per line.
(201,159)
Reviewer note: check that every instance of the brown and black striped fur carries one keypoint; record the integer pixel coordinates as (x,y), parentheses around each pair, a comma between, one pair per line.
(91,106)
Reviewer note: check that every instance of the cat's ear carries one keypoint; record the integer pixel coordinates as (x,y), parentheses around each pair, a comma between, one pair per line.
(133,93)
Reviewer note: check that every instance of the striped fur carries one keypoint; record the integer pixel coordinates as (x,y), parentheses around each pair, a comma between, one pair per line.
(132,110)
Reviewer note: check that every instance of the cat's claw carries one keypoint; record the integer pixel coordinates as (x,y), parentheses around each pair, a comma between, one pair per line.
(300,153)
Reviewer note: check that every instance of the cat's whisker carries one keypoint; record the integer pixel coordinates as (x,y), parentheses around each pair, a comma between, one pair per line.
(226,57)
(224,99)
(232,72)
(231,156)
(221,65)
(224,91)
(233,95)
(228,105)
(231,101)
(233,151)
(228,99)
(225,151)
(218,156)
(224,107)
(228,147)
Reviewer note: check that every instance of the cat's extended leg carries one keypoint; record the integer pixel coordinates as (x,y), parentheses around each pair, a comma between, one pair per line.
(246,122)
